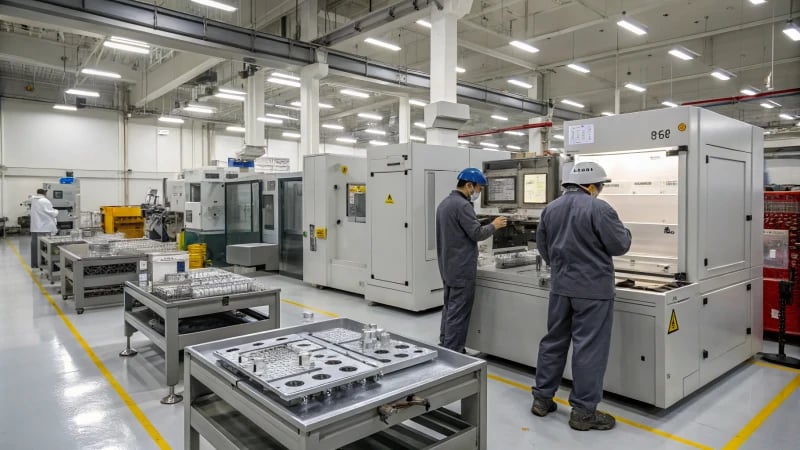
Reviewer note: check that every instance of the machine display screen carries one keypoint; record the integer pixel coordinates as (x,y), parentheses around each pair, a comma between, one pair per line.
(535,188)
(58,195)
(501,190)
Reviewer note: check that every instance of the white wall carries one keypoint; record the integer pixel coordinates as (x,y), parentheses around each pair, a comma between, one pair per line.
(782,171)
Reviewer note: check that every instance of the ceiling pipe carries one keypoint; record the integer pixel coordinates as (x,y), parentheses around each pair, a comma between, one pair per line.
(740,98)
(526,126)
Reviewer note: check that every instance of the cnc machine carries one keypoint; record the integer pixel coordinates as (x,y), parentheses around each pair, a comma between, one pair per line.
(688,183)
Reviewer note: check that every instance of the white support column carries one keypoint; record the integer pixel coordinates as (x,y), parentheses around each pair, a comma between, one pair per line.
(308,20)
(617,93)
(404,122)
(253,109)
(444,116)
(535,144)
(309,109)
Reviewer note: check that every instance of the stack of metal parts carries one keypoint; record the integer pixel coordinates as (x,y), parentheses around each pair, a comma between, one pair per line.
(200,283)
(297,367)
(515,259)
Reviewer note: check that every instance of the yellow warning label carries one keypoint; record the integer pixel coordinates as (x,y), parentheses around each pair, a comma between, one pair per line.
(344,170)
(673,323)
(358,189)
(389,200)
(321,233)
(681,127)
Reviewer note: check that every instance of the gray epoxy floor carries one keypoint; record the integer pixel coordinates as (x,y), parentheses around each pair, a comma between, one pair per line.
(53,396)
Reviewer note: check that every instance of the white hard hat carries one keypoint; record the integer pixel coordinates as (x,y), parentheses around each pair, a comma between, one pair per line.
(586,173)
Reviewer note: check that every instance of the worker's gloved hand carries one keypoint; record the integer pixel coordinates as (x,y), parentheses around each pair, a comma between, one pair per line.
(499,222)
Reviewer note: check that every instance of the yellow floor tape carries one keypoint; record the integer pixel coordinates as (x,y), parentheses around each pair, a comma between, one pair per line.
(134,408)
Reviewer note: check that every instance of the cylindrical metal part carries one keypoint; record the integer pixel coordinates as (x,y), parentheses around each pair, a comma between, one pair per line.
(308,316)
(385,339)
(304,358)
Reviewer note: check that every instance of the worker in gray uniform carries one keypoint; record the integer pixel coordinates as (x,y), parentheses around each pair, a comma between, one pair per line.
(577,236)
(458,232)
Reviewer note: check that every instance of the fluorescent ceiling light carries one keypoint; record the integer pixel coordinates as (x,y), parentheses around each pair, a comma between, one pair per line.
(669,104)
(237,98)
(558,137)
(722,74)
(167,119)
(424,23)
(297,104)
(385,45)
(786,116)
(280,116)
(635,87)
(607,114)
(374,131)
(332,126)
(235,129)
(231,91)
(291,135)
(354,93)
(417,138)
(284,81)
(126,47)
(750,90)
(758,2)
(82,93)
(321,105)
(101,73)
(523,46)
(285,75)
(419,124)
(578,68)
(123,40)
(370,116)
(463,142)
(346,140)
(214,4)
(572,103)
(417,102)
(377,143)
(496,117)
(513,147)
(198,109)
(683,53)
(769,104)
(632,26)
(270,120)
(65,107)
(514,133)
(489,144)
(521,84)
(460,69)
(792,31)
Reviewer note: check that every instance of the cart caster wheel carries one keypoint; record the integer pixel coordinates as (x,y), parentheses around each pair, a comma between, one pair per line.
(79,311)
(128,352)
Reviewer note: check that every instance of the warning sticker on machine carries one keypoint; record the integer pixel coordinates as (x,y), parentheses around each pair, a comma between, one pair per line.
(389,200)
(673,323)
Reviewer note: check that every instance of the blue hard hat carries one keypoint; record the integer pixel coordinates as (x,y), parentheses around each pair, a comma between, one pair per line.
(472,175)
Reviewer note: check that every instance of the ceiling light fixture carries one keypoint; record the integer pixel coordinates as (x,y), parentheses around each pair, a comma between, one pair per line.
(231,91)
(379,43)
(722,74)
(280,116)
(523,46)
(225,96)
(578,68)
(419,124)
(489,144)
(635,87)
(284,82)
(758,2)
(460,69)
(463,142)
(370,116)
(514,133)
(270,120)
(558,137)
(683,53)
(65,107)
(198,109)
(607,114)
(769,104)
(513,147)
(285,75)
(346,140)
(417,138)
(215,4)
(572,103)
(378,143)
(424,23)
(82,93)
(669,104)
(101,73)
(519,83)
(332,126)
(296,104)
(167,119)
(291,135)
(749,90)
(792,31)
(374,131)
(354,93)
(785,116)
(496,117)
(417,102)
(633,26)
(235,129)
(128,45)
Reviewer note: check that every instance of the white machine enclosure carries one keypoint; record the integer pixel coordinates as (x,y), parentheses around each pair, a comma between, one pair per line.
(405,185)
(205,198)
(336,246)
(665,345)
(175,195)
(66,199)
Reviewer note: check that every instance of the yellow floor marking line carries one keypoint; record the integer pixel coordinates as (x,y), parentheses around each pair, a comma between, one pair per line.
(137,413)
(628,422)
(310,308)
(755,423)
(774,366)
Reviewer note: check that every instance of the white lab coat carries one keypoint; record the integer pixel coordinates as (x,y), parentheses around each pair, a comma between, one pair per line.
(43,215)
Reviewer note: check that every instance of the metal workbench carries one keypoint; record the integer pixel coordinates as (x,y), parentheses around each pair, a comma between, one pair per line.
(232,412)
(49,251)
(142,308)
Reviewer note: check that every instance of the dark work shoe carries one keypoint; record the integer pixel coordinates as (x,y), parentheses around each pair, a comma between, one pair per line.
(594,420)
(542,407)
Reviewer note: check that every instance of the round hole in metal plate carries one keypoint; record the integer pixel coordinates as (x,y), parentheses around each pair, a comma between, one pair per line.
(231,350)
(333,362)
(332,356)
(400,355)
(348,369)
(381,352)
(295,383)
(256,344)
(281,339)
(321,376)
(401,346)
(304,345)
(319,356)
(384,360)
(418,351)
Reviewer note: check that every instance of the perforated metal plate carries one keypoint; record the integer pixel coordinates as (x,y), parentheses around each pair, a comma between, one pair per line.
(338,335)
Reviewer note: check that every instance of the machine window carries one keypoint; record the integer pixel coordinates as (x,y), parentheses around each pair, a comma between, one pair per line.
(535,188)
(501,190)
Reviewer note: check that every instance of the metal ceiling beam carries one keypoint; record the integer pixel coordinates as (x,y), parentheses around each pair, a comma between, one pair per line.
(169,75)
(195,34)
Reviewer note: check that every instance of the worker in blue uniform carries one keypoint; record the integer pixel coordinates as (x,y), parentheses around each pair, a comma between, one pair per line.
(577,236)
(458,232)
